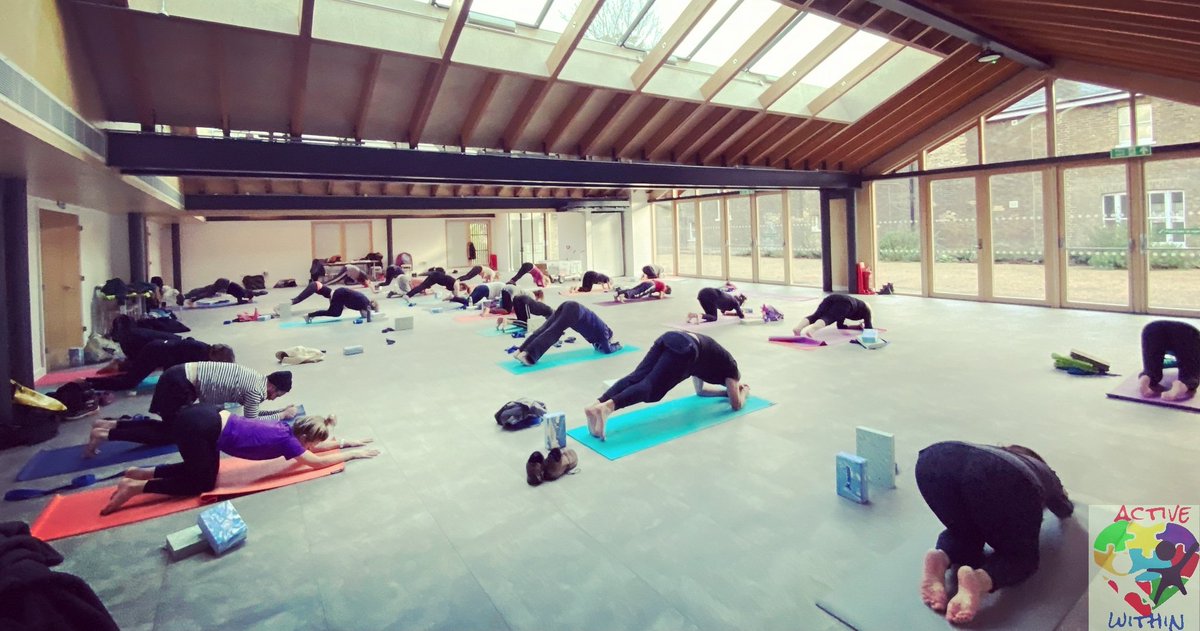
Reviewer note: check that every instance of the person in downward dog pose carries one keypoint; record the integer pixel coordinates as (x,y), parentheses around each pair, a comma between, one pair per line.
(204,432)
(539,277)
(590,280)
(434,279)
(568,315)
(984,495)
(346,298)
(485,274)
(647,289)
(652,271)
(394,273)
(1181,340)
(835,309)
(315,287)
(352,274)
(715,302)
(675,356)
(523,308)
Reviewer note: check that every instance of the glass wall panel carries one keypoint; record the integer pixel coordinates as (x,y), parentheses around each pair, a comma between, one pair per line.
(712,238)
(771,232)
(805,208)
(1172,234)
(1018,236)
(687,237)
(960,151)
(1163,122)
(955,236)
(664,236)
(1018,132)
(898,234)
(1097,234)
(741,235)
(1089,118)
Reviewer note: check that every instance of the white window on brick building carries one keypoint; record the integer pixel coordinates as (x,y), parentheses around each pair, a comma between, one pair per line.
(1145,125)
(1166,212)
(1114,208)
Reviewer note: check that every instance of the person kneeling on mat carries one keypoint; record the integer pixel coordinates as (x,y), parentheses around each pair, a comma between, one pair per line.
(204,432)
(835,309)
(675,356)
(573,315)
(523,308)
(648,289)
(984,495)
(715,302)
(161,354)
(346,298)
(1181,340)
(652,271)
(591,279)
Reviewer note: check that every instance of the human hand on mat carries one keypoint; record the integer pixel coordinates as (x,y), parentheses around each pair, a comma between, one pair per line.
(365,453)
(290,412)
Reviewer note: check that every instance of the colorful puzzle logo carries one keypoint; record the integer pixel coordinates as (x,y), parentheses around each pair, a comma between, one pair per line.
(1147,557)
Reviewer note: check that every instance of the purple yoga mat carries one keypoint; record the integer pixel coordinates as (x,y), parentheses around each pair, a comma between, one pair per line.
(1129,391)
(705,326)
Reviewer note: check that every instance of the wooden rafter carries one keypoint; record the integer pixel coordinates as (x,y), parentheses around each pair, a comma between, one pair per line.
(301,52)
(135,68)
(571,36)
(767,147)
(651,117)
(663,141)
(766,130)
(478,108)
(578,100)
(854,77)
(436,73)
(739,127)
(813,59)
(759,40)
(216,47)
(535,95)
(370,78)
(657,56)
(621,103)
(719,123)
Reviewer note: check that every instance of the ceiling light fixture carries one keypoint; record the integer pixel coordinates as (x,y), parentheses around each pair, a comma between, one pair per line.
(989,56)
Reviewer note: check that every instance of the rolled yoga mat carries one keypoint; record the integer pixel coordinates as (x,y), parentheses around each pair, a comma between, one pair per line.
(882,595)
(653,425)
(1129,391)
(49,462)
(79,513)
(554,359)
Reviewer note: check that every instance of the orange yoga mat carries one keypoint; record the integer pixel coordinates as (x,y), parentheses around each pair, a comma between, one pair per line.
(61,377)
(79,513)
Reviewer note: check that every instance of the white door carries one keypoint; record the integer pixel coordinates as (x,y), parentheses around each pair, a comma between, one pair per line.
(456,244)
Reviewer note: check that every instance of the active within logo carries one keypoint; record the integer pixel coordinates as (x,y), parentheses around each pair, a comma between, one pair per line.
(1147,557)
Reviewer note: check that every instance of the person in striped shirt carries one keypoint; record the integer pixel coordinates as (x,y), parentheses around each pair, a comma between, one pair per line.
(211,383)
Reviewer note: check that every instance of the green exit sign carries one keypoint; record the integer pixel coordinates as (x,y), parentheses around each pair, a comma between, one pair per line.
(1130,152)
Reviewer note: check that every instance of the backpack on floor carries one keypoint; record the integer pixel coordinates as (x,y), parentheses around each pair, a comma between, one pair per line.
(254,283)
(79,398)
(35,418)
(771,314)
(520,414)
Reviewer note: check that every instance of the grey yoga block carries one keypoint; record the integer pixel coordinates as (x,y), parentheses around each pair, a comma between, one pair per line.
(352,350)
(403,323)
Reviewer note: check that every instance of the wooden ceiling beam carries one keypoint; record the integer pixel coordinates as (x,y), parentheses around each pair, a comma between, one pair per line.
(679,29)
(767,146)
(435,74)
(652,118)
(620,104)
(571,36)
(756,43)
(1173,30)
(768,129)
(301,52)
(216,48)
(560,125)
(854,77)
(952,25)
(133,62)
(535,95)
(478,108)
(370,79)
(737,129)
(663,141)
(720,122)
(1185,10)
(820,53)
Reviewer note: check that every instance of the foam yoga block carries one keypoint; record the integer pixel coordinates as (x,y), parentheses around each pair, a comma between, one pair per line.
(880,594)
(645,427)
(1129,391)
(556,359)
(352,350)
(184,543)
(403,323)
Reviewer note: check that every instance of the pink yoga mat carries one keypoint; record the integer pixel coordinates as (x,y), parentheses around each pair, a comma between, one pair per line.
(1129,391)
(828,336)
(705,326)
(614,303)
(61,377)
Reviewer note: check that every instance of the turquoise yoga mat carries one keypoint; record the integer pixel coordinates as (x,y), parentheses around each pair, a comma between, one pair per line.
(554,359)
(295,324)
(494,332)
(647,427)
(147,385)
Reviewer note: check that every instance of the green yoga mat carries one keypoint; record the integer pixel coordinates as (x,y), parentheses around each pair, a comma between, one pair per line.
(554,359)
(647,427)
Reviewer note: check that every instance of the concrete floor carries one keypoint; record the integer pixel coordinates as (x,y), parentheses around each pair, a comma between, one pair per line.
(736,527)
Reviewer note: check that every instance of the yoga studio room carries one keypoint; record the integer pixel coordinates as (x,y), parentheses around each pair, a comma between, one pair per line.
(600,315)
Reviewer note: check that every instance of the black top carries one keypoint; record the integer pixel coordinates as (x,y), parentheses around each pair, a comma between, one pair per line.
(353,299)
(135,338)
(714,364)
(1039,473)
(601,279)
(724,301)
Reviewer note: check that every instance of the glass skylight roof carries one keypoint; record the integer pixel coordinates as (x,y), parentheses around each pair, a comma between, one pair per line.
(798,41)
(527,12)
(615,19)
(734,31)
(559,15)
(713,18)
(656,19)
(845,59)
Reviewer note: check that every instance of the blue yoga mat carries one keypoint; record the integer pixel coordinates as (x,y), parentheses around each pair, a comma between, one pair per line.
(553,360)
(649,426)
(48,462)
(293,324)
(147,385)
(494,332)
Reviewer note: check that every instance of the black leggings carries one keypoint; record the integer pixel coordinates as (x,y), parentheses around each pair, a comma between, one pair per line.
(638,291)
(834,309)
(173,392)
(160,354)
(651,271)
(1181,340)
(713,301)
(563,318)
(314,287)
(475,271)
(668,363)
(434,278)
(982,499)
(524,306)
(525,269)
(593,278)
(196,432)
(336,305)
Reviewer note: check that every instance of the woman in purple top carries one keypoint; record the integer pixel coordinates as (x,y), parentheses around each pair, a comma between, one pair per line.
(203,432)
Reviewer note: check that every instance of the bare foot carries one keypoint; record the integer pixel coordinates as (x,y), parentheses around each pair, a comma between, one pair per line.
(973,585)
(500,322)
(137,473)
(104,423)
(602,412)
(933,580)
(523,358)
(127,488)
(590,413)
(693,318)
(1146,387)
(1178,392)
(98,435)
(738,400)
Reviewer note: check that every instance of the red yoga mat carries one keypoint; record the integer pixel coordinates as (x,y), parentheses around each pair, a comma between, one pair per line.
(79,513)
(67,376)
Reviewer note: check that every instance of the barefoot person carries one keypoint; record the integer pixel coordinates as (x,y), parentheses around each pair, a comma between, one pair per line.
(539,277)
(675,356)
(590,280)
(485,274)
(204,432)
(1181,340)
(568,315)
(161,354)
(715,302)
(346,298)
(835,309)
(523,308)
(984,495)
(315,287)
(394,273)
(435,278)
(647,289)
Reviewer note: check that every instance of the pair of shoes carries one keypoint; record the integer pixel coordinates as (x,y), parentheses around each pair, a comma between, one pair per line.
(558,463)
(558,344)
(518,335)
